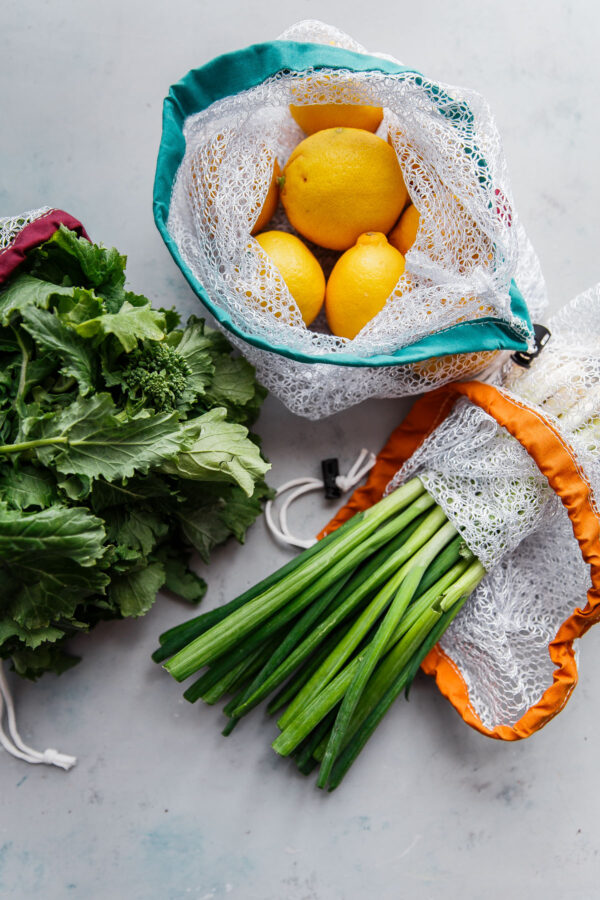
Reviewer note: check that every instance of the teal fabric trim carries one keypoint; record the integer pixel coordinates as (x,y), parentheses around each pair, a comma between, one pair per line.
(234,72)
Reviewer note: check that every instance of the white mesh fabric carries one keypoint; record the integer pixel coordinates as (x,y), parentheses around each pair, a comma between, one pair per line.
(500,638)
(504,508)
(468,248)
(564,383)
(484,480)
(11,226)
(314,32)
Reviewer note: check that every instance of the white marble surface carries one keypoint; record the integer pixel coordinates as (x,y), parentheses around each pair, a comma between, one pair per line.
(160,805)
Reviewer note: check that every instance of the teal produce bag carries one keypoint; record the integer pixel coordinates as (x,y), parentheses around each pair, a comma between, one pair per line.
(472,280)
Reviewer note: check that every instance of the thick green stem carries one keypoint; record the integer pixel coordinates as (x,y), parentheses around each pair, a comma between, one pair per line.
(424,545)
(366,579)
(31,445)
(227,682)
(316,710)
(402,682)
(24,364)
(430,596)
(179,636)
(304,754)
(320,699)
(336,559)
(410,620)
(373,652)
(304,672)
(401,653)
(257,638)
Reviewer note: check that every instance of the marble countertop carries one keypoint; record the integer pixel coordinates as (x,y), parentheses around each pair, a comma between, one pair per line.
(160,805)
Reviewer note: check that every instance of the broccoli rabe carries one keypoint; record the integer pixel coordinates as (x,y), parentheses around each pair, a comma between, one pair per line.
(158,373)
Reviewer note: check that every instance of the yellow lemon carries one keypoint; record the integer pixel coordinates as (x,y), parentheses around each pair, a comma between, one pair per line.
(318,116)
(340,183)
(360,283)
(403,234)
(299,268)
(271,200)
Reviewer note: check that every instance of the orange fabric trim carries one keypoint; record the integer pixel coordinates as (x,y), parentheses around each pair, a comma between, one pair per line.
(556,460)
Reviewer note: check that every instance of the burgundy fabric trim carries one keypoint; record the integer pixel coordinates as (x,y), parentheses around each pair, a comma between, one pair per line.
(35,233)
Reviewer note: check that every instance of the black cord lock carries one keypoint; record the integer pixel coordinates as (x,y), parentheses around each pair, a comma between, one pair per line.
(331,470)
(541,336)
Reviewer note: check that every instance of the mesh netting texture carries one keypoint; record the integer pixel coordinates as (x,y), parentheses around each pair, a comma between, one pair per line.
(469,246)
(11,226)
(504,508)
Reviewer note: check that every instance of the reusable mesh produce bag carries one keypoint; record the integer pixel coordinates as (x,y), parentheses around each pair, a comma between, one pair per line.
(516,468)
(21,233)
(470,276)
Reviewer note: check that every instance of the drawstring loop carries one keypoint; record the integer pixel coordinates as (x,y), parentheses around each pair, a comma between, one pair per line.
(13,742)
(300,486)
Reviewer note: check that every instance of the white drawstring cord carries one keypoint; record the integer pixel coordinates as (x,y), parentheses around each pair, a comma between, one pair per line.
(357,472)
(281,532)
(17,747)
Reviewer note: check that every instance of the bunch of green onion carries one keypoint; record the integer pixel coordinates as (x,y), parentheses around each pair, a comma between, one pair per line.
(340,630)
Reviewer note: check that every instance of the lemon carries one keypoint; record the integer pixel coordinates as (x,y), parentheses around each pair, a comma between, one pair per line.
(403,234)
(340,183)
(299,268)
(360,283)
(271,200)
(318,116)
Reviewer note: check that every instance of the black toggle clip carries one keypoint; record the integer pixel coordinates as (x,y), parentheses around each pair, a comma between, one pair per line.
(541,336)
(331,470)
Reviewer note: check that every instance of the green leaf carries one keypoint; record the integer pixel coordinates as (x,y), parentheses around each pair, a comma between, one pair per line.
(233,381)
(248,413)
(203,525)
(51,591)
(138,528)
(83,263)
(196,348)
(172,317)
(217,450)
(27,487)
(76,487)
(135,592)
(100,445)
(131,492)
(46,658)
(83,305)
(37,537)
(52,336)
(158,481)
(241,511)
(30,637)
(214,512)
(130,325)
(8,341)
(37,370)
(182,581)
(25,291)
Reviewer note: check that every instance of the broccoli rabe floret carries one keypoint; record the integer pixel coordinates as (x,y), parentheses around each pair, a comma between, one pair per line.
(158,373)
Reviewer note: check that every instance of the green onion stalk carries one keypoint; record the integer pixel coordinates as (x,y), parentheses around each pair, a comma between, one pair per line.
(336,635)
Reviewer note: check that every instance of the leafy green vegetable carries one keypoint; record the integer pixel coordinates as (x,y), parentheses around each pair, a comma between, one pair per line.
(345,625)
(217,450)
(158,373)
(52,336)
(124,448)
(130,325)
